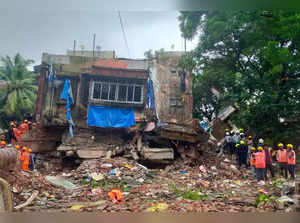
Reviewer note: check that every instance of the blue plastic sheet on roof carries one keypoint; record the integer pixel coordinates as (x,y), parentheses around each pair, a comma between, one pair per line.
(67,95)
(100,116)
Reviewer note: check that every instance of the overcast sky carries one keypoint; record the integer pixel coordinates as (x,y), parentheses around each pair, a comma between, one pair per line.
(32,29)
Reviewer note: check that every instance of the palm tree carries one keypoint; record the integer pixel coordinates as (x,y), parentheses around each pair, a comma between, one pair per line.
(17,87)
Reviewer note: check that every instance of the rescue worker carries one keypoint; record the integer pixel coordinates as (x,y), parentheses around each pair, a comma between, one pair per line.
(24,128)
(18,148)
(16,134)
(32,160)
(249,144)
(2,144)
(227,145)
(236,137)
(291,160)
(269,162)
(11,136)
(260,164)
(236,151)
(242,154)
(252,161)
(232,144)
(26,159)
(260,143)
(282,160)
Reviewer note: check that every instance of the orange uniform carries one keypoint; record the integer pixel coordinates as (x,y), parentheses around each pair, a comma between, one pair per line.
(23,128)
(282,156)
(260,160)
(26,160)
(291,157)
(17,134)
(252,160)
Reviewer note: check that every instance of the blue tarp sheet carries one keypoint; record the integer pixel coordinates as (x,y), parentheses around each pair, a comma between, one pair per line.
(100,116)
(150,95)
(67,95)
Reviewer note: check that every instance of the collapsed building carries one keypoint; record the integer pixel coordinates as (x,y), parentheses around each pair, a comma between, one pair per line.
(90,106)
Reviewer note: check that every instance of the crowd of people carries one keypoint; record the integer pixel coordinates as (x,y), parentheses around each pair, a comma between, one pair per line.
(14,134)
(260,157)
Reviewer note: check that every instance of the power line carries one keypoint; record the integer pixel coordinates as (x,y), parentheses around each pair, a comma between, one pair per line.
(124,35)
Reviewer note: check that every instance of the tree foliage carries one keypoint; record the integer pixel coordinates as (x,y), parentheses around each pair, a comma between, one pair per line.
(254,60)
(18,96)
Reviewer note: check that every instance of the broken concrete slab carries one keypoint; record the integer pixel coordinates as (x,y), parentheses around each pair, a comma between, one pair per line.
(91,154)
(62,182)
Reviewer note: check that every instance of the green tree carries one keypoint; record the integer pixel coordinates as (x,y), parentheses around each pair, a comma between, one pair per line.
(255,56)
(18,93)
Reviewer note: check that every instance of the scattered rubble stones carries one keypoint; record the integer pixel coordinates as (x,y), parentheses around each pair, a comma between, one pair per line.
(210,185)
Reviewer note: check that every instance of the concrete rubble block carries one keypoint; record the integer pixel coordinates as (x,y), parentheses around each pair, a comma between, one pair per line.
(60,181)
(91,154)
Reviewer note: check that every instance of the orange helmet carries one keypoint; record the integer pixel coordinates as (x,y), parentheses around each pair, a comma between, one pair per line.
(3,143)
(24,148)
(29,150)
(18,146)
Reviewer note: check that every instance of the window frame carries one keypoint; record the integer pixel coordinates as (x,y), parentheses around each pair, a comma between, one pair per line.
(116,92)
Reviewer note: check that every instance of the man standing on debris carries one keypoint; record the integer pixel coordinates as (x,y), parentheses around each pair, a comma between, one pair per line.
(242,154)
(282,160)
(252,161)
(32,160)
(228,140)
(24,128)
(26,159)
(260,165)
(291,160)
(11,136)
(269,166)
(18,148)
(249,144)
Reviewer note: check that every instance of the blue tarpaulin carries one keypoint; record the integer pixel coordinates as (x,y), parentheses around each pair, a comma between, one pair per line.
(67,95)
(150,95)
(100,116)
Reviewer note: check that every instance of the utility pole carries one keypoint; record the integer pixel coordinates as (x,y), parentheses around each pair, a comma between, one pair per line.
(74,47)
(94,39)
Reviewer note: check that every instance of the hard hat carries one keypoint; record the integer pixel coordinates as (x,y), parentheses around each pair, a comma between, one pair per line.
(237,145)
(29,150)
(227,133)
(260,148)
(226,129)
(24,148)
(290,146)
(249,137)
(253,148)
(25,120)
(280,145)
(241,130)
(261,141)
(242,142)
(3,143)
(18,146)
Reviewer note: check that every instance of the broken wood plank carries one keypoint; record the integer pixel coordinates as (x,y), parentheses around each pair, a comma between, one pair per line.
(29,201)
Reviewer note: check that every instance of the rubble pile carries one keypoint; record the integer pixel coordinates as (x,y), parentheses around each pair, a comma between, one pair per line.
(211,186)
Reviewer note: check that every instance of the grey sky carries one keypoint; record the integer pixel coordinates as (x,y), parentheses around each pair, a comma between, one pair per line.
(32,29)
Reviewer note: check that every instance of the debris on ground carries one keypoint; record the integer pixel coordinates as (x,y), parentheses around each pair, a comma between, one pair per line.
(123,185)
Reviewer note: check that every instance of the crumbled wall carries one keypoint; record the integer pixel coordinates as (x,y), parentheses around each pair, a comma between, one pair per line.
(168,90)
